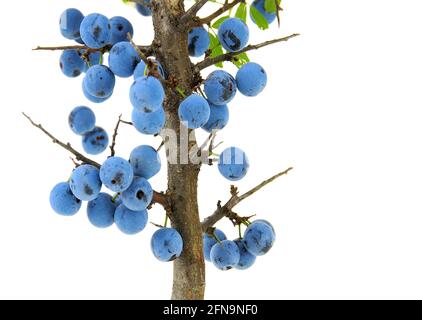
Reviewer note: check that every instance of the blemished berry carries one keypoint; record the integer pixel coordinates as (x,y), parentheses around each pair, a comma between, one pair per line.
(139,194)
(142,69)
(233,164)
(95,31)
(219,117)
(63,201)
(120,27)
(167,244)
(123,59)
(233,34)
(101,211)
(145,161)
(198,41)
(149,123)
(247,259)
(144,10)
(194,111)
(251,79)
(225,255)
(260,6)
(99,81)
(70,23)
(209,241)
(96,141)
(81,120)
(92,98)
(116,174)
(259,238)
(130,222)
(220,87)
(147,94)
(85,182)
(71,63)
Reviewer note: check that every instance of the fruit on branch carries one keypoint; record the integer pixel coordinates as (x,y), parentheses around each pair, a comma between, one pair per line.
(139,194)
(233,164)
(99,81)
(92,98)
(149,123)
(101,211)
(120,27)
(194,111)
(219,117)
(130,222)
(142,69)
(81,120)
(145,161)
(198,41)
(70,22)
(71,63)
(63,201)
(96,141)
(144,10)
(247,259)
(225,255)
(167,244)
(85,182)
(95,31)
(116,174)
(251,79)
(147,94)
(233,34)
(260,6)
(259,238)
(210,240)
(123,59)
(220,87)
(93,59)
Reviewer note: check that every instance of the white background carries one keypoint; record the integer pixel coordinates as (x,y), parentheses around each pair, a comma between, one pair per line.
(342,105)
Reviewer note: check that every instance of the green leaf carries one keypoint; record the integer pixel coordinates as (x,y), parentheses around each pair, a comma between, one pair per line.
(241,12)
(259,19)
(240,59)
(215,48)
(218,23)
(271,5)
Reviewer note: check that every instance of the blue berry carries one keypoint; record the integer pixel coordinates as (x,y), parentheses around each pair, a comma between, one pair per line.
(99,81)
(81,120)
(141,71)
(251,79)
(247,259)
(194,111)
(95,31)
(209,241)
(85,182)
(120,27)
(259,238)
(63,201)
(233,164)
(96,141)
(144,10)
(71,63)
(225,255)
(149,122)
(116,174)
(70,22)
(145,161)
(123,59)
(260,6)
(219,117)
(139,195)
(220,87)
(233,34)
(101,211)
(92,98)
(147,94)
(130,222)
(198,41)
(167,244)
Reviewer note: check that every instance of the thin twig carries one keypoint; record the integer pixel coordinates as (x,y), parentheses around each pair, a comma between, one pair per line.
(191,13)
(116,132)
(147,50)
(140,53)
(226,7)
(230,55)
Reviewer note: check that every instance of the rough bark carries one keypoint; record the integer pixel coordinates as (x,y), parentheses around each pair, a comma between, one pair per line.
(172,51)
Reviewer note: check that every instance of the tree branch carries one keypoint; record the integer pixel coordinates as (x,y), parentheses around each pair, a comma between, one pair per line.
(116,132)
(146,50)
(207,20)
(235,199)
(158,197)
(230,55)
(191,13)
